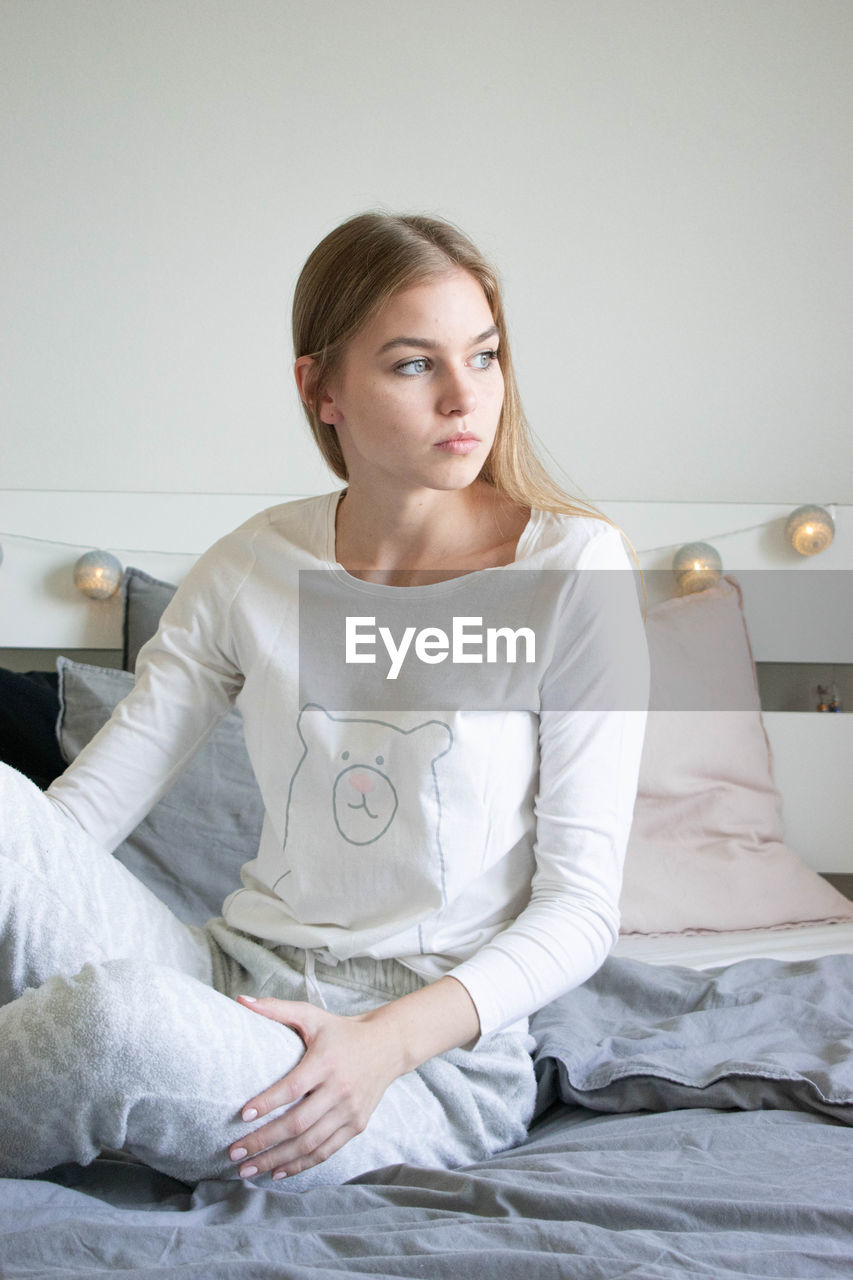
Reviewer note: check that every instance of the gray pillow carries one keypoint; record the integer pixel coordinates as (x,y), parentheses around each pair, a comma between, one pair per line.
(145,598)
(190,848)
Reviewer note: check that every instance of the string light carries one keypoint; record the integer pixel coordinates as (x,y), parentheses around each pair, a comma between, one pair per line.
(809,530)
(733,533)
(79,546)
(697,566)
(98,575)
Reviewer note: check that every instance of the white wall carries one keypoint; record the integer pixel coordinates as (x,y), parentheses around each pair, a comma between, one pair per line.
(666,185)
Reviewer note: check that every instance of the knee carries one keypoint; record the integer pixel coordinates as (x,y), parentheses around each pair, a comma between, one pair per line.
(18,793)
(12,780)
(38,822)
(19,796)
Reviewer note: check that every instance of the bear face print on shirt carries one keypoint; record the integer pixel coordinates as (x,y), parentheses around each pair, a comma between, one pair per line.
(363,823)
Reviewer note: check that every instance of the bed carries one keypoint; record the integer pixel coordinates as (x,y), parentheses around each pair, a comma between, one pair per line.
(695,1096)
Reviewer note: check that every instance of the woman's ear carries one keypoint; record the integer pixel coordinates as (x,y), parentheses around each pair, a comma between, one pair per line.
(305,372)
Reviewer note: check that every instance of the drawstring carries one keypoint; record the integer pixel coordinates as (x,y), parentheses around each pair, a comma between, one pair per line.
(312,989)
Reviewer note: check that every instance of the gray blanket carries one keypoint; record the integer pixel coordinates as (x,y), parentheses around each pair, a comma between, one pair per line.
(731,1157)
(753,1035)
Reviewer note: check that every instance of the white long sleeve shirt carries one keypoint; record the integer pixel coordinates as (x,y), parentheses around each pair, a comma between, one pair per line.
(479,836)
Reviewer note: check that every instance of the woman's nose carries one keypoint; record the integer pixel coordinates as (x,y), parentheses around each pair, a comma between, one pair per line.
(457,394)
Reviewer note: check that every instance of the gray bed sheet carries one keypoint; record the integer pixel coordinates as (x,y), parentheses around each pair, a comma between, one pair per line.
(690,1124)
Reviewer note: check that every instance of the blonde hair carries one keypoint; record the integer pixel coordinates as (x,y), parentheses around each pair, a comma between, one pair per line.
(346,281)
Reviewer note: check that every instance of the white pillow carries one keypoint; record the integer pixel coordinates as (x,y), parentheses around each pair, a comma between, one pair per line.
(706,850)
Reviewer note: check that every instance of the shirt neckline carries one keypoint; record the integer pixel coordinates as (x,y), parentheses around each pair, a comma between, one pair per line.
(430,589)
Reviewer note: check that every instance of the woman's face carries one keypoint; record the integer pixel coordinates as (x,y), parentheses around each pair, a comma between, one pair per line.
(419,394)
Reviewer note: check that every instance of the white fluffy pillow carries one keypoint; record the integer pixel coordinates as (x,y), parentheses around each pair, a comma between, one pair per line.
(706,851)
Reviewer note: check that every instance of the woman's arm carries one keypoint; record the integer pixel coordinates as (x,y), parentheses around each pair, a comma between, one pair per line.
(187,678)
(349,1063)
(584,810)
(594,696)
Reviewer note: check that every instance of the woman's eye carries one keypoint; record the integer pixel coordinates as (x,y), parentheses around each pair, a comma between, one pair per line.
(420,364)
(412,367)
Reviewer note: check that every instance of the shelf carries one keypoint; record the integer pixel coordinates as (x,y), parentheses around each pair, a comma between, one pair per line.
(842,881)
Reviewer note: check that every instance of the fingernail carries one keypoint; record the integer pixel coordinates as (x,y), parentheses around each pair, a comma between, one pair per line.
(278,1175)
(248,1172)
(239,1154)
(250,1113)
(251,999)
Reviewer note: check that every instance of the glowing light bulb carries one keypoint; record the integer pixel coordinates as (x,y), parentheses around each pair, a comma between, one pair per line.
(810,530)
(697,566)
(97,574)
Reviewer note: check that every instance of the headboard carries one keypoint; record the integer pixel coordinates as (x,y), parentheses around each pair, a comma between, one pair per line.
(798,609)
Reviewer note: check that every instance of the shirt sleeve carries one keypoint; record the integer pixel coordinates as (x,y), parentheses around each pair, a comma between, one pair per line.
(187,677)
(593,706)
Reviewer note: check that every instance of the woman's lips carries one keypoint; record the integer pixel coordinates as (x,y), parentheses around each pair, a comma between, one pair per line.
(458,444)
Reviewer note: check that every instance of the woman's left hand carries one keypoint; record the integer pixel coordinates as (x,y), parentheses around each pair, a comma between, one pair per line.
(335,1087)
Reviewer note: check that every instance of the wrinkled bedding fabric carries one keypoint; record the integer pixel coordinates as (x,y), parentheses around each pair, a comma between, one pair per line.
(691,1124)
(752,1035)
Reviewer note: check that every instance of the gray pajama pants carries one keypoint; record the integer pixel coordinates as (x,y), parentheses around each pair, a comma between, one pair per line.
(119,1027)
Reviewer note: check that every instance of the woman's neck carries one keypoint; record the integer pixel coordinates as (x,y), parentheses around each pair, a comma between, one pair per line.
(427,537)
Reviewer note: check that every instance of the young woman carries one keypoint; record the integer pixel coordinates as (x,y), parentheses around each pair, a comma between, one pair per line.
(429,874)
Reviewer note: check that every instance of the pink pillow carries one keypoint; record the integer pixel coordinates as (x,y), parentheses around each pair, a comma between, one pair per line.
(706,851)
